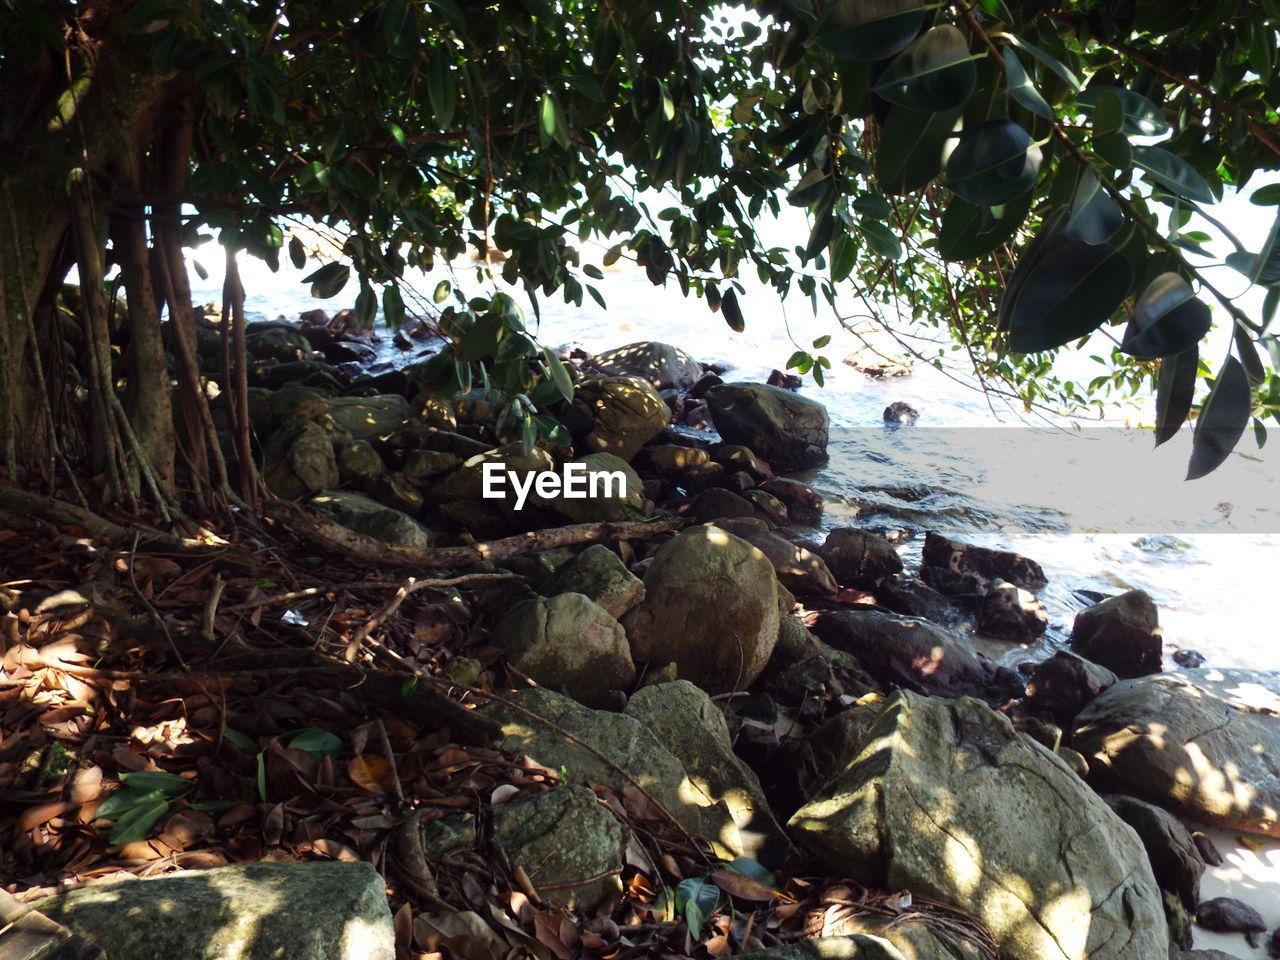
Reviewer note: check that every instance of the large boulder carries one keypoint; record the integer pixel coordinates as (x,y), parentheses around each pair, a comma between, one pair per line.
(915,654)
(610,500)
(1200,742)
(373,519)
(250,911)
(693,728)
(664,366)
(945,799)
(1121,633)
(1175,860)
(568,843)
(940,551)
(367,418)
(569,644)
(711,607)
(629,745)
(859,558)
(787,430)
(852,934)
(617,415)
(298,459)
(799,569)
(599,574)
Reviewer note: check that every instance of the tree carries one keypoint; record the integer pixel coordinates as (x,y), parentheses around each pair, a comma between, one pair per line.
(1019,173)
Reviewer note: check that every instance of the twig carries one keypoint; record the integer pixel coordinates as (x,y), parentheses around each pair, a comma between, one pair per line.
(155,614)
(385,741)
(211,608)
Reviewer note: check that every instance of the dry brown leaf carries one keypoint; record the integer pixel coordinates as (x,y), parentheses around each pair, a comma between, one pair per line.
(334,850)
(743,887)
(86,785)
(35,816)
(547,928)
(273,825)
(371,772)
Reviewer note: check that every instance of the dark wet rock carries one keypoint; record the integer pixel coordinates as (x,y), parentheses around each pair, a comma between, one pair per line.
(859,558)
(913,598)
(304,403)
(372,519)
(787,430)
(663,365)
(394,490)
(705,383)
(950,583)
(804,503)
(1202,743)
(799,569)
(279,342)
(697,414)
(944,798)
(900,414)
(421,466)
(1121,633)
(767,507)
(568,643)
(358,462)
(711,606)
(308,373)
(1209,851)
(915,654)
(717,503)
(253,911)
(1175,861)
(1065,684)
(1011,613)
(1191,659)
(568,843)
(734,456)
(1228,915)
(616,415)
(939,551)
(599,574)
(786,381)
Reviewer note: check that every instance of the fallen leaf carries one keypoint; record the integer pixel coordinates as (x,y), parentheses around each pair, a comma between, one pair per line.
(743,887)
(371,772)
(334,850)
(35,816)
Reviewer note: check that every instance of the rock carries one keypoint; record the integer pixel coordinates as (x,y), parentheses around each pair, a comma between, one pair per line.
(1121,633)
(1200,955)
(786,381)
(787,430)
(421,466)
(670,460)
(899,414)
(294,400)
(697,414)
(1175,861)
(859,558)
(874,364)
(629,505)
(1228,915)
(279,342)
(804,503)
(600,575)
(569,644)
(358,462)
(965,587)
(448,441)
(1065,684)
(298,459)
(852,935)
(252,911)
(617,415)
(991,564)
(664,366)
(467,481)
(625,741)
(800,570)
(396,491)
(1188,658)
(1209,851)
(436,412)
(1011,613)
(936,800)
(768,507)
(367,418)
(915,654)
(711,606)
(717,503)
(1075,760)
(734,456)
(1199,742)
(705,383)
(912,598)
(569,843)
(372,519)
(692,727)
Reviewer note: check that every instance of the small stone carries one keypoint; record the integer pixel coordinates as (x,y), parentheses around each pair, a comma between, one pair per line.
(1228,915)
(900,414)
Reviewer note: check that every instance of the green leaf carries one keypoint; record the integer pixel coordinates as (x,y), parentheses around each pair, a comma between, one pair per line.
(559,374)
(798,359)
(1108,114)
(868,29)
(1115,149)
(1267,196)
(328,280)
(135,821)
(1173,173)
(1174,392)
(1247,351)
(366,307)
(844,257)
(245,743)
(1265,269)
(1095,217)
(1071,289)
(813,187)
(392,306)
(994,163)
(1168,319)
(753,869)
(264,98)
(441,292)
(319,743)
(148,780)
(822,341)
(693,916)
(970,231)
(700,891)
(552,429)
(1142,118)
(592,271)
(297,253)
(1021,88)
(1069,78)
(261,778)
(936,72)
(1222,420)
(881,239)
(552,123)
(442,89)
(732,312)
(911,148)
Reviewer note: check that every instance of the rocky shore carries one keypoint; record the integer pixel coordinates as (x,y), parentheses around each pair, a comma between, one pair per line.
(786,696)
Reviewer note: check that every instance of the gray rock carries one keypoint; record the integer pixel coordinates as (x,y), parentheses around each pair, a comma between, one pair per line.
(787,430)
(915,654)
(1228,915)
(1175,861)
(358,462)
(252,911)
(939,551)
(804,504)
(280,343)
(859,558)
(467,481)
(717,504)
(734,456)
(800,570)
(901,414)
(1121,633)
(768,507)
(868,937)
(294,400)
(670,460)
(629,506)
(626,742)
(1011,613)
(1202,743)
(373,519)
(598,573)
(1065,684)
(711,607)
(662,364)
(421,466)
(298,459)
(913,598)
(616,415)
(565,839)
(367,418)
(945,799)
(693,728)
(569,644)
